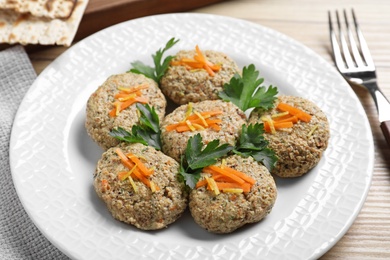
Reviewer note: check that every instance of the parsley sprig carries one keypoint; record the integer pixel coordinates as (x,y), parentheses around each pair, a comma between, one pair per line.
(160,65)
(245,91)
(252,143)
(147,132)
(196,158)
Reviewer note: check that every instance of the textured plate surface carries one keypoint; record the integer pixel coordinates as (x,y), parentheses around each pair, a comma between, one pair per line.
(53,159)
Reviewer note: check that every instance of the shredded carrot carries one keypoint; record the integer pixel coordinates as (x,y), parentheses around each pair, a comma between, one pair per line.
(137,170)
(125,161)
(226,179)
(133,89)
(201,183)
(214,169)
(267,120)
(294,111)
(140,165)
(277,126)
(127,97)
(242,175)
(286,119)
(279,115)
(205,114)
(196,121)
(198,62)
(213,185)
(124,175)
(206,124)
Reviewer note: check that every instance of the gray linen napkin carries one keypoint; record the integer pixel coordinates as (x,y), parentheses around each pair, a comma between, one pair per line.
(19,238)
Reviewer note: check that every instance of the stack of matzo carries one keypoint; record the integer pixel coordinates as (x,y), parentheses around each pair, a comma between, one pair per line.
(40,21)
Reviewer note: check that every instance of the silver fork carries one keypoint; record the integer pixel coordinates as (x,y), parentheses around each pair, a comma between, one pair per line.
(358,67)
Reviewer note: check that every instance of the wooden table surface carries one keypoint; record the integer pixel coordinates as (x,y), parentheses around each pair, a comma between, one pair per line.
(306,22)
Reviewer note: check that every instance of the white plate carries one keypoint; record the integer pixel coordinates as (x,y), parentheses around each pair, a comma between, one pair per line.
(53,159)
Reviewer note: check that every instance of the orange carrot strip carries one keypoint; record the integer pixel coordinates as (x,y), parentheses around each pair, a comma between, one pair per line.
(215,127)
(288,118)
(123,175)
(294,111)
(201,183)
(221,178)
(133,89)
(142,178)
(278,126)
(209,70)
(200,57)
(214,67)
(184,127)
(207,121)
(125,161)
(195,121)
(198,62)
(171,127)
(112,112)
(124,95)
(193,64)
(242,175)
(129,102)
(205,114)
(141,166)
(216,169)
(119,106)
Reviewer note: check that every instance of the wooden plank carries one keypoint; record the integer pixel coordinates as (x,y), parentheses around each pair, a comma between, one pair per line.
(101,14)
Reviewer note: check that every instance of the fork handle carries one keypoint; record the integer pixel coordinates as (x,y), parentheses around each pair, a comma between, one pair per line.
(383,106)
(385,127)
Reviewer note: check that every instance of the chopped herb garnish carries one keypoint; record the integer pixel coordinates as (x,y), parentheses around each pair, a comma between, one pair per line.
(147,132)
(195,159)
(160,65)
(246,92)
(252,143)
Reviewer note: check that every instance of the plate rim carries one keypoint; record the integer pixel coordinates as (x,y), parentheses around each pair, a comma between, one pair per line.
(316,254)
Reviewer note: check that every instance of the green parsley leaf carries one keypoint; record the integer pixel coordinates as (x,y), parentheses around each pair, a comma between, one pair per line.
(140,68)
(149,117)
(252,143)
(125,136)
(147,132)
(189,177)
(195,159)
(246,92)
(266,156)
(264,98)
(160,65)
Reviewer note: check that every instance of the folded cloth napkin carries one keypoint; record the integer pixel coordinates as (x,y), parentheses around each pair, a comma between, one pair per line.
(19,238)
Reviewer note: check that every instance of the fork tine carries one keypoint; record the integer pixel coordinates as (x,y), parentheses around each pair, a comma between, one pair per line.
(352,43)
(363,44)
(344,44)
(338,57)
